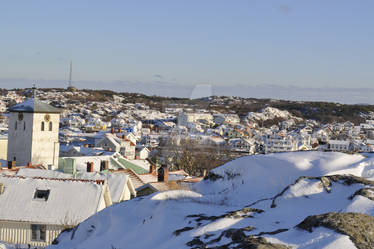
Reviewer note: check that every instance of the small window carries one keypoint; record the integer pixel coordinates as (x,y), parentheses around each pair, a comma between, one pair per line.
(41,194)
(50,126)
(42,128)
(24,125)
(38,232)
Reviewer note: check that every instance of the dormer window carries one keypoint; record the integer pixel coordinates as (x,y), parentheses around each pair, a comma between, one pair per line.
(41,194)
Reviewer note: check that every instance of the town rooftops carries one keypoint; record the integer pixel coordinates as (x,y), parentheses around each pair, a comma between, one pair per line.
(34,105)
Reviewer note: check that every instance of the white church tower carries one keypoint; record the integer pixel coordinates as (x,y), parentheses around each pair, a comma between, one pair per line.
(33,133)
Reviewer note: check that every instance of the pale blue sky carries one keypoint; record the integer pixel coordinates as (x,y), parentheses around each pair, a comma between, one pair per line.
(314,43)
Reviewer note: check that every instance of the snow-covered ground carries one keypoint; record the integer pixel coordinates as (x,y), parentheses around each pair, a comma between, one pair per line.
(260,195)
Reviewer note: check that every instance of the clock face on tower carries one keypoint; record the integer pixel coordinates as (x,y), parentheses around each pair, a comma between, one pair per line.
(47,118)
(20,116)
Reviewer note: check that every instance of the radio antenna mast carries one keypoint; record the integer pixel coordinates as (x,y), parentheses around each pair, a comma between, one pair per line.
(70,74)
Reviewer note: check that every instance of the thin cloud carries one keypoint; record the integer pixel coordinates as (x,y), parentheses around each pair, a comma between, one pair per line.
(158,76)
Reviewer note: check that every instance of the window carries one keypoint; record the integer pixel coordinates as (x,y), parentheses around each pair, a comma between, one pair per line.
(24,125)
(41,194)
(42,128)
(50,126)
(15,127)
(38,232)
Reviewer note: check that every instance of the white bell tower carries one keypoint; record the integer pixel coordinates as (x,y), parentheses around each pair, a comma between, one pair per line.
(33,133)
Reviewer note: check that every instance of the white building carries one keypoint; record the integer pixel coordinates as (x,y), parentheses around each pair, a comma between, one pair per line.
(35,210)
(33,133)
(339,145)
(185,118)
(276,143)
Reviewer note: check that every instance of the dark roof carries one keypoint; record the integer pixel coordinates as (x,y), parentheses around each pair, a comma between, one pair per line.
(34,106)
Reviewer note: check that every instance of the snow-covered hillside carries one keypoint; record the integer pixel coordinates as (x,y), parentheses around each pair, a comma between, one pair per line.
(252,201)
(270,113)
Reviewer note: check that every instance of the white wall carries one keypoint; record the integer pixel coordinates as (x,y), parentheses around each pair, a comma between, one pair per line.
(45,145)
(20,139)
(31,144)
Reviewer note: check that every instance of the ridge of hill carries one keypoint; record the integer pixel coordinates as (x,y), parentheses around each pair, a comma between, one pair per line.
(286,200)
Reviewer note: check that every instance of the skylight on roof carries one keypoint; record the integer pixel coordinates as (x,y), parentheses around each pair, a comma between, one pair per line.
(41,194)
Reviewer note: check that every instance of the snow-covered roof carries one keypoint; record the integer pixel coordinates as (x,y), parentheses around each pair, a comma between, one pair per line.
(116,182)
(35,106)
(68,202)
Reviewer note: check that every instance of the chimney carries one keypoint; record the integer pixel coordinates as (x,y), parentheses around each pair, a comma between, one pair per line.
(163,174)
(123,136)
(29,164)
(112,130)
(86,145)
(120,130)
(11,164)
(104,165)
(2,187)
(90,167)
(204,173)
(151,168)
(109,149)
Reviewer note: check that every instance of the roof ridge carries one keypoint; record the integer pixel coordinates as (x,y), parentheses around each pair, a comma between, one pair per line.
(99,182)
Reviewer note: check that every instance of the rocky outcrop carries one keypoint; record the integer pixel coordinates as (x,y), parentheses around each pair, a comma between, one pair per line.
(359,227)
(365,192)
(239,241)
(327,182)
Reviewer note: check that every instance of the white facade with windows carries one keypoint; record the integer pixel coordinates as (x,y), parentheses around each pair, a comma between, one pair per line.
(276,143)
(339,145)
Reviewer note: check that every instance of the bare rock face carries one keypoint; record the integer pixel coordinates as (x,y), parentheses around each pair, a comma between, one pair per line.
(359,227)
(239,241)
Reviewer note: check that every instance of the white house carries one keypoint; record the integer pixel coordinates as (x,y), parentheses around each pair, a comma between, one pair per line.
(339,145)
(35,210)
(33,133)
(277,143)
(184,118)
(142,152)
(122,145)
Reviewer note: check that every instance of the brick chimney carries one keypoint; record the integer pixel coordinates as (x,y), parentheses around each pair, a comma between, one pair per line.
(120,130)
(112,130)
(11,164)
(163,174)
(90,167)
(104,165)
(29,164)
(152,168)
